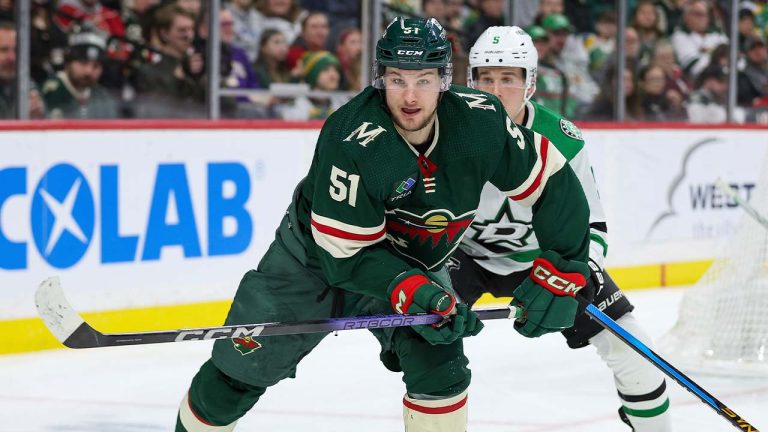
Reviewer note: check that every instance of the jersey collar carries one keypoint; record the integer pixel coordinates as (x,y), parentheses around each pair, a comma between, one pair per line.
(432,145)
(530,113)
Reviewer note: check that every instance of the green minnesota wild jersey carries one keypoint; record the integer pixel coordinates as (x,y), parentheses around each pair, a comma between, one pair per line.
(504,237)
(63,101)
(373,205)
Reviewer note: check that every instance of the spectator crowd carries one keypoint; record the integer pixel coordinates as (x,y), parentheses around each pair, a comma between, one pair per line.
(147,58)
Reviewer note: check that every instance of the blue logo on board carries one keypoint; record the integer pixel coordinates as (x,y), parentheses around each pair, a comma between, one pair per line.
(62,216)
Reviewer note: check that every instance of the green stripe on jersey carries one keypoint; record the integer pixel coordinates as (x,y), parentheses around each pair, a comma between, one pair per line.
(599,240)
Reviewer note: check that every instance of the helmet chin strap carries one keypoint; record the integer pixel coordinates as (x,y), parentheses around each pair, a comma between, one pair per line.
(529,91)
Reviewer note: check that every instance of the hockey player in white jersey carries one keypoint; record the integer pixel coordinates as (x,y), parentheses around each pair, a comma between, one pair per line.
(501,243)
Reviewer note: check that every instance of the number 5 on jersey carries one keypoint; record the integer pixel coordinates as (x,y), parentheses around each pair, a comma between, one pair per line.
(339,189)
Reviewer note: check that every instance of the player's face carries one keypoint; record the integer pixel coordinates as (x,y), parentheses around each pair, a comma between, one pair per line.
(412,96)
(506,83)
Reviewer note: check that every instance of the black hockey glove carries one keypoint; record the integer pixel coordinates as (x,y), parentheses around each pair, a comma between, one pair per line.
(413,292)
(595,284)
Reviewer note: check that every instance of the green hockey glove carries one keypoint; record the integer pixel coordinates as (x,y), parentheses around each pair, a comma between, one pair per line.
(413,292)
(547,296)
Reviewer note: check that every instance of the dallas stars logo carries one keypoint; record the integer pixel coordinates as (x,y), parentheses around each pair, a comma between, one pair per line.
(502,233)
(570,129)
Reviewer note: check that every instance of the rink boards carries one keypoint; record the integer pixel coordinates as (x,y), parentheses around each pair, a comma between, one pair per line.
(150,225)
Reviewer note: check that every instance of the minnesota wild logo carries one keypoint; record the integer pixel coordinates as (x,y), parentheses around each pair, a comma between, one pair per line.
(570,129)
(420,237)
(246,345)
(434,227)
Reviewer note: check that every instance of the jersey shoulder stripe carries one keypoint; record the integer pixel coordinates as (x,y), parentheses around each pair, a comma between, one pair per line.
(344,240)
(549,162)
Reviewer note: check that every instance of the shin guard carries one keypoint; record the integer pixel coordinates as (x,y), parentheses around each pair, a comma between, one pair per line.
(640,384)
(436,415)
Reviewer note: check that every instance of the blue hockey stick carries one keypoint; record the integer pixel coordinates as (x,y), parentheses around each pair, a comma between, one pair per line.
(607,323)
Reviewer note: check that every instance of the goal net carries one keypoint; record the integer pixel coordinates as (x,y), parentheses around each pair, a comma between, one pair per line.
(722,327)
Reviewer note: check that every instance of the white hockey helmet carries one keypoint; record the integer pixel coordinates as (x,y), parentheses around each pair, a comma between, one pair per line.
(508,47)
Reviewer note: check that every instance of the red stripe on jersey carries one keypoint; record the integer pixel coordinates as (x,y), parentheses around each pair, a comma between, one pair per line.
(435,410)
(532,188)
(200,419)
(325,229)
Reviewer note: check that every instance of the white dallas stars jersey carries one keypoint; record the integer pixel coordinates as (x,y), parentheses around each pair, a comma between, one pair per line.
(501,237)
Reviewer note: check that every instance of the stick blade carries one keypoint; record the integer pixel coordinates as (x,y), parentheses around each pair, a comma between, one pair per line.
(62,321)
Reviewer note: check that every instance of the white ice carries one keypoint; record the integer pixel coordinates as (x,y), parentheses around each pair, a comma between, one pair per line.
(519,385)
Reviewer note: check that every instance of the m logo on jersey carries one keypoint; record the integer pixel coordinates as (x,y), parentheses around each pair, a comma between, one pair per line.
(504,233)
(246,345)
(570,129)
(363,135)
(477,100)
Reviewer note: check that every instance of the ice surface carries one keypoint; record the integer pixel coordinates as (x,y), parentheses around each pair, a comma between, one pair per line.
(519,385)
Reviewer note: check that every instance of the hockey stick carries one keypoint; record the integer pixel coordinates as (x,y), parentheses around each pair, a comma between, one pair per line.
(725,187)
(607,323)
(72,331)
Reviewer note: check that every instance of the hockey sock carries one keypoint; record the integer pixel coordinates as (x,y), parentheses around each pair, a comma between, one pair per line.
(641,386)
(435,415)
(215,401)
(191,421)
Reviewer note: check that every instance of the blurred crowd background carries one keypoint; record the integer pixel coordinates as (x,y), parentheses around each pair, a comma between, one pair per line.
(302,59)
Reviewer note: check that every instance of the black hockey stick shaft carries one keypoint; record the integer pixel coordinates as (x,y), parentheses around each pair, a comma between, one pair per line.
(609,324)
(72,330)
(86,336)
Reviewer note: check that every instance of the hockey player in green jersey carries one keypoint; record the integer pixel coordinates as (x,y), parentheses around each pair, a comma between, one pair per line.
(394,183)
(503,242)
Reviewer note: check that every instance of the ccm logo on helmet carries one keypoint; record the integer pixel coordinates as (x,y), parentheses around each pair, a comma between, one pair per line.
(410,52)
(555,283)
